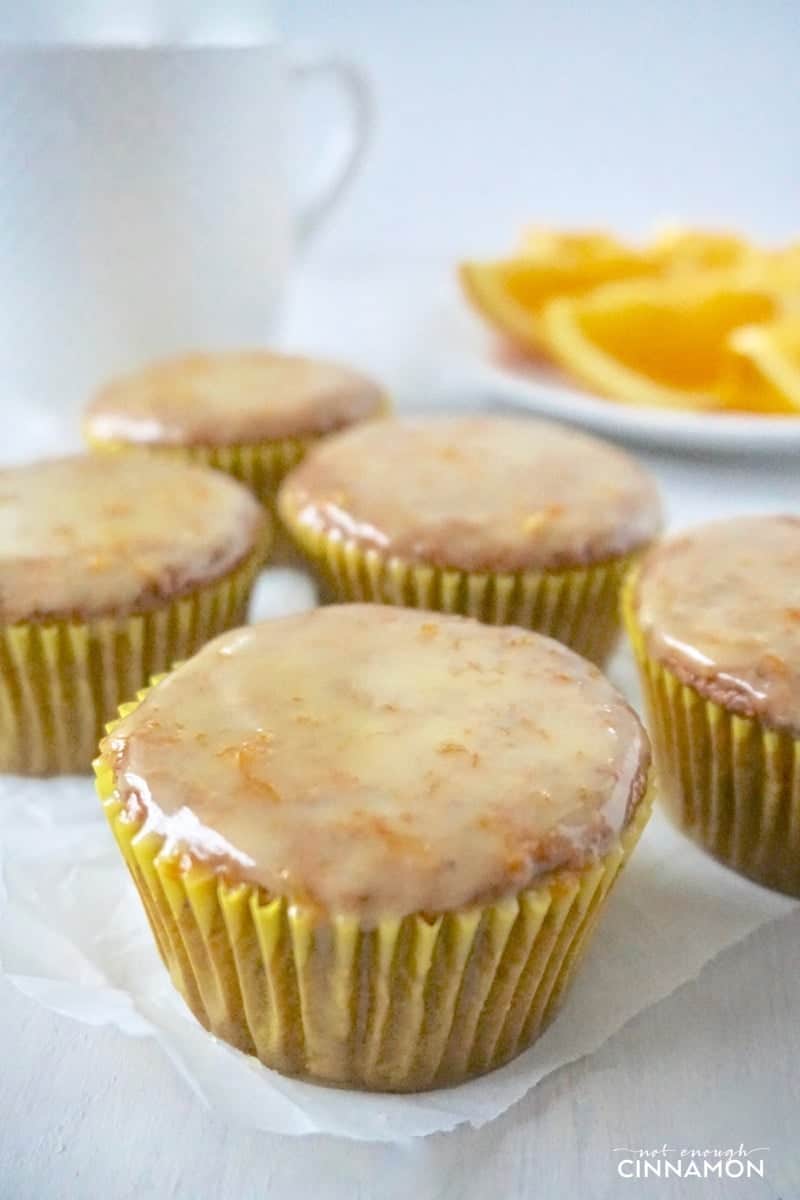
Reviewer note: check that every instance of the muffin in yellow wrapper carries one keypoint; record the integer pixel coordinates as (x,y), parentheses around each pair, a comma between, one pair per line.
(252,414)
(348,987)
(510,521)
(412,1004)
(108,573)
(725,738)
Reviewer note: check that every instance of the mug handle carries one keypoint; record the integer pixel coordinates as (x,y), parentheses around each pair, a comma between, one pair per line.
(341,157)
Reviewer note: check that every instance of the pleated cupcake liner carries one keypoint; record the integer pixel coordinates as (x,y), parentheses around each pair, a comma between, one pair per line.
(727,780)
(578,606)
(62,680)
(259,465)
(414,1003)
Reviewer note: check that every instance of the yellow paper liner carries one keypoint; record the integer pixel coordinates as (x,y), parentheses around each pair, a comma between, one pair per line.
(414,1003)
(727,780)
(61,680)
(578,606)
(259,465)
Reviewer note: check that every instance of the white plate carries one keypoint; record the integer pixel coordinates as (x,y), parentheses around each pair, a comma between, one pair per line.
(531,388)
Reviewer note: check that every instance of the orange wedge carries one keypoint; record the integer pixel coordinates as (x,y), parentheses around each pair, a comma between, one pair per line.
(778,268)
(511,294)
(541,241)
(764,367)
(659,342)
(680,248)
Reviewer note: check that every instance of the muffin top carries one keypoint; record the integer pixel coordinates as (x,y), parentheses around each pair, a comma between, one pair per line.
(476,494)
(374,761)
(229,398)
(720,606)
(86,536)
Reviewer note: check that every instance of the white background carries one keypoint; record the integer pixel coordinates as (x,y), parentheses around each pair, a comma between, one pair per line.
(497,113)
(492,114)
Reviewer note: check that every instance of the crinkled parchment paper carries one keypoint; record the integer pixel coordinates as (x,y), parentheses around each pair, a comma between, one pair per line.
(74,937)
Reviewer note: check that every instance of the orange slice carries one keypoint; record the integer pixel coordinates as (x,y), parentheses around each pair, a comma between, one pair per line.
(541,241)
(511,294)
(680,248)
(778,268)
(659,342)
(764,367)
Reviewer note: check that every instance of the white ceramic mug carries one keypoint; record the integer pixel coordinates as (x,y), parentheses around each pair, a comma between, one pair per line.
(147,203)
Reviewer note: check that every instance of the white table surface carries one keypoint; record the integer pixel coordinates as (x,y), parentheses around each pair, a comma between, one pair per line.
(86,1113)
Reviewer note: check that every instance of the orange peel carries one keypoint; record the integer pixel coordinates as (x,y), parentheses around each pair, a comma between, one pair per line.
(511,294)
(663,342)
(763,369)
(683,248)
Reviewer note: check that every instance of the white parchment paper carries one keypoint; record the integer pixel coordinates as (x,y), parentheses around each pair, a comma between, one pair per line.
(73,937)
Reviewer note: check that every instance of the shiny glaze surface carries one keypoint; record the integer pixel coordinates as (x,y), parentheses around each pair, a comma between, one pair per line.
(476,493)
(377,762)
(86,536)
(720,605)
(226,399)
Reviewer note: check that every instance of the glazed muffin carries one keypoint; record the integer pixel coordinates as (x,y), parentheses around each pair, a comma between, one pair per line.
(372,843)
(252,414)
(714,616)
(511,521)
(109,572)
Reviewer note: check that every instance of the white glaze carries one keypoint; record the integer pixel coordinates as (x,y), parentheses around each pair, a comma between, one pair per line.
(381,761)
(476,493)
(87,535)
